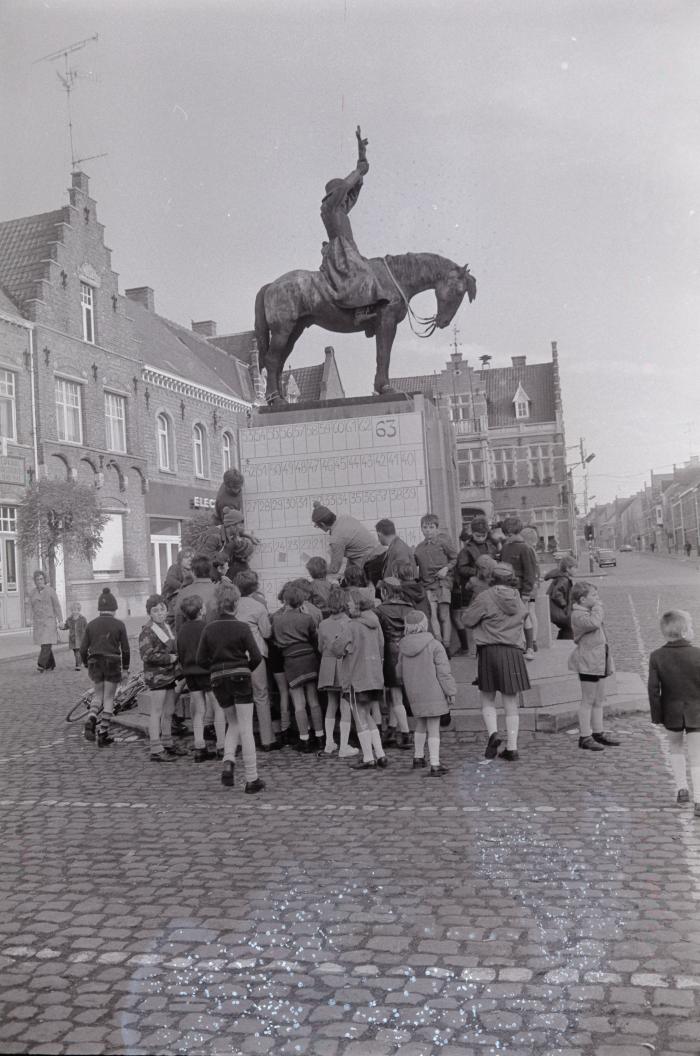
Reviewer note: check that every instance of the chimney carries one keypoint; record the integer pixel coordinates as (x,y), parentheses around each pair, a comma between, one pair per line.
(143,295)
(80,182)
(554,350)
(207,328)
(329,351)
(518,361)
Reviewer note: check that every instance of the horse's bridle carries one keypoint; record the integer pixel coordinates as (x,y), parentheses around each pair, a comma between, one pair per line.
(429,323)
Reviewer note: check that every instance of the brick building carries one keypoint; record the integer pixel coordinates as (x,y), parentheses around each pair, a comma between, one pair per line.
(511,450)
(86,369)
(16,454)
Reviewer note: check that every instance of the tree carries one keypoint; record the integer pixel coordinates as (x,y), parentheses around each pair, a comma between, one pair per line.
(60,513)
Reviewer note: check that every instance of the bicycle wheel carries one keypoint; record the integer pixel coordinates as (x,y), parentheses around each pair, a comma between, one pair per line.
(81,709)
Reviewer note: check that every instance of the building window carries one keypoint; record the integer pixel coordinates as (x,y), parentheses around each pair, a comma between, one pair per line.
(470,467)
(164,436)
(522,409)
(201,455)
(87,303)
(227,451)
(503,465)
(8,410)
(69,411)
(115,422)
(109,559)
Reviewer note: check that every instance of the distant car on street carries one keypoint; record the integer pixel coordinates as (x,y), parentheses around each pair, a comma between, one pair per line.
(606,557)
(626,548)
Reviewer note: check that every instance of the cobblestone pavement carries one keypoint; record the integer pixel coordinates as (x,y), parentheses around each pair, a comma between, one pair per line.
(548,906)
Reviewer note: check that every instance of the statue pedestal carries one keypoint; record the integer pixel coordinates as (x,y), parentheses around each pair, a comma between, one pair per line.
(389,457)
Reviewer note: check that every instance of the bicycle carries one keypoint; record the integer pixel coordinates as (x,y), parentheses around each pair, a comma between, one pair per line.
(124,699)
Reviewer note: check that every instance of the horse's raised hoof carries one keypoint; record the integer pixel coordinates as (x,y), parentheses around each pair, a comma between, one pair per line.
(384,390)
(276,400)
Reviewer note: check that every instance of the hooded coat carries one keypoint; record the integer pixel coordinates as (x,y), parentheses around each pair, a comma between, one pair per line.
(497,616)
(426,674)
(360,647)
(591,655)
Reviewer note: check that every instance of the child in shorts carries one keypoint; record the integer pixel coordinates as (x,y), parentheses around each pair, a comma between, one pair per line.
(75,625)
(196,677)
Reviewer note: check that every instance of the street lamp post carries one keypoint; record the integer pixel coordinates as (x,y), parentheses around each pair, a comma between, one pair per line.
(585,460)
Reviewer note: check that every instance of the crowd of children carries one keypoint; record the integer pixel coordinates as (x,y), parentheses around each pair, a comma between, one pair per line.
(351,660)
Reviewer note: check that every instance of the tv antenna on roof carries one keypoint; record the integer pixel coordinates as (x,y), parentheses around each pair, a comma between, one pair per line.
(68,79)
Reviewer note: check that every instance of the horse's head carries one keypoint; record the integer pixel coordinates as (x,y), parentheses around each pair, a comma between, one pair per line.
(450,291)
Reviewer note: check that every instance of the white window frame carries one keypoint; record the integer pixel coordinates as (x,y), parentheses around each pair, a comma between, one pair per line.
(66,408)
(165,441)
(87,307)
(227,451)
(522,409)
(8,394)
(115,423)
(110,552)
(200,451)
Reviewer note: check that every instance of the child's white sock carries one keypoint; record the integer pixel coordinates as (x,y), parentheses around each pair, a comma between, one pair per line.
(376,739)
(490,718)
(365,739)
(677,760)
(512,727)
(419,744)
(434,750)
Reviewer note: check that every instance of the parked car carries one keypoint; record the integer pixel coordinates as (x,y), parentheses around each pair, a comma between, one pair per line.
(606,557)
(626,548)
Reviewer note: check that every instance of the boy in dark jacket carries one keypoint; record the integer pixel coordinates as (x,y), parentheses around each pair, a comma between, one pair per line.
(674,699)
(197,677)
(392,616)
(105,652)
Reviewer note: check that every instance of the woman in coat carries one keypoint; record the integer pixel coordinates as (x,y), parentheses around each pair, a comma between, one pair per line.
(561,581)
(592,660)
(46,615)
(427,678)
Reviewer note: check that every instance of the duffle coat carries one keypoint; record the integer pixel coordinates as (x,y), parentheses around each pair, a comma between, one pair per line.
(591,655)
(425,672)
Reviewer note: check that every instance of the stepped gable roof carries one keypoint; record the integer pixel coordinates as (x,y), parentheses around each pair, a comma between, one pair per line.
(309,381)
(417,383)
(501,383)
(24,246)
(239,345)
(164,347)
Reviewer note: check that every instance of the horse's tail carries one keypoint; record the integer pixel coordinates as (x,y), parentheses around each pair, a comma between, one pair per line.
(262,330)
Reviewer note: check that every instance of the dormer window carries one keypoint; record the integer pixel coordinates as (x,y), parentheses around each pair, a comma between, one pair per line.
(522,401)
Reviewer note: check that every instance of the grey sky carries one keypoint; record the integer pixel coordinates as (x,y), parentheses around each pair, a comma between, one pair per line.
(552,145)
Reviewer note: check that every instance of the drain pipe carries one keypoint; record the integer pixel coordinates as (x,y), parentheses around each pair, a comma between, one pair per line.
(32,372)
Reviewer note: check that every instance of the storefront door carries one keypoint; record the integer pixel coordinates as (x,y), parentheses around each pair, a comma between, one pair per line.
(10,595)
(165,543)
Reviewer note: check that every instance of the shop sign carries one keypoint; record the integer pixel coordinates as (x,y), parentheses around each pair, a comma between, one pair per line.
(11,470)
(198,502)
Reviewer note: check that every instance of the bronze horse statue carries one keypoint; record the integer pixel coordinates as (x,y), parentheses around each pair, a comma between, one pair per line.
(285,307)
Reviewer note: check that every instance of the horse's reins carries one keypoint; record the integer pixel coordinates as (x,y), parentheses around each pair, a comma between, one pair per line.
(428,322)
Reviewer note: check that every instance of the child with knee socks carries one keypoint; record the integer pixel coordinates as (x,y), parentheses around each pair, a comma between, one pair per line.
(294,631)
(361,649)
(251,609)
(329,673)
(497,616)
(424,669)
(592,660)
(674,699)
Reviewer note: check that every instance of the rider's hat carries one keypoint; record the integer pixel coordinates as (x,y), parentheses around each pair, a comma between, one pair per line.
(331,186)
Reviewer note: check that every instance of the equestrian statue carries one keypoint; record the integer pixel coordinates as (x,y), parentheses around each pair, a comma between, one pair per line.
(350,294)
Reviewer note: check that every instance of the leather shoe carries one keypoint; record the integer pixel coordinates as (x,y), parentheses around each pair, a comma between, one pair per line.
(403,741)
(510,754)
(590,744)
(419,764)
(275,746)
(254,786)
(362,765)
(605,738)
(227,775)
(89,728)
(201,755)
(162,757)
(492,747)
(104,738)
(438,771)
(382,762)
(305,747)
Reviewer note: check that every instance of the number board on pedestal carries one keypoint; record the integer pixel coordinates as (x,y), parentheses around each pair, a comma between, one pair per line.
(368,467)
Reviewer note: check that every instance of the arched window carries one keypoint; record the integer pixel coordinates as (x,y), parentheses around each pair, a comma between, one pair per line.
(228,452)
(164,437)
(201,454)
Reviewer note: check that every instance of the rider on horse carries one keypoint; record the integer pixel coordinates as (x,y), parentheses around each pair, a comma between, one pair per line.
(353,284)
